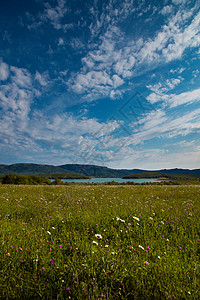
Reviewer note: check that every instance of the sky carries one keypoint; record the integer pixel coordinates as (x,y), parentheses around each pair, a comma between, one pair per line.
(105,82)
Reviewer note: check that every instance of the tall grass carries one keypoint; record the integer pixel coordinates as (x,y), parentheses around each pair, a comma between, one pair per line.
(94,242)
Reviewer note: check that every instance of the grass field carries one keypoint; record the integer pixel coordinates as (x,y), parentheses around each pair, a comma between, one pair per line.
(94,242)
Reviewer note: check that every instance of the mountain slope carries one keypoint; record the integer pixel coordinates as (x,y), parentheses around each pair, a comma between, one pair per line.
(88,170)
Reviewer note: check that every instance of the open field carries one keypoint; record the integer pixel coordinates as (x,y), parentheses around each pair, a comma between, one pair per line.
(94,242)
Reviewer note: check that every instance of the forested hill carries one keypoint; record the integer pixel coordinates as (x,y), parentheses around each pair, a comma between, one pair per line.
(88,170)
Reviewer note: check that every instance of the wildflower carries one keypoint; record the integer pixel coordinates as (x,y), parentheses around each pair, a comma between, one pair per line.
(75,282)
(73,275)
(22,261)
(141,247)
(53,227)
(146,263)
(20,248)
(60,246)
(103,296)
(94,242)
(43,268)
(66,266)
(97,225)
(99,236)
(51,261)
(68,289)
(50,250)
(106,246)
(136,218)
(158,257)
(49,232)
(148,247)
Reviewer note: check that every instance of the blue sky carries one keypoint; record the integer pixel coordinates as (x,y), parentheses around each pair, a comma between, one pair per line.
(112,83)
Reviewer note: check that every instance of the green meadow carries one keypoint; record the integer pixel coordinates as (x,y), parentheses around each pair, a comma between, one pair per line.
(99,242)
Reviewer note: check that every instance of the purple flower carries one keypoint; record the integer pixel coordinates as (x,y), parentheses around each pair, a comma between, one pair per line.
(146,263)
(43,268)
(51,261)
(148,247)
(91,282)
(97,224)
(68,289)
(50,250)
(75,282)
(22,261)
(73,275)
(60,246)
(66,266)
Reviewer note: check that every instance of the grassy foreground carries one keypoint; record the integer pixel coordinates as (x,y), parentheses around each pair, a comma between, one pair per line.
(94,242)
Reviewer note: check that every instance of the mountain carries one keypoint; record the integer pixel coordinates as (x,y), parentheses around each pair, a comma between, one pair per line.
(88,170)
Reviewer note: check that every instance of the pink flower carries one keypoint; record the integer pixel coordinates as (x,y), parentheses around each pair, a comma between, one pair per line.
(73,275)
(146,263)
(60,246)
(68,289)
(43,268)
(50,250)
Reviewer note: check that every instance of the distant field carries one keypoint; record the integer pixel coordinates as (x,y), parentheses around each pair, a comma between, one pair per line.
(100,242)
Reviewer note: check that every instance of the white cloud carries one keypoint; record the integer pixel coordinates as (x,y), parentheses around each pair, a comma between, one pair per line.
(43,79)
(21,77)
(184,98)
(159,90)
(60,42)
(4,71)
(166,10)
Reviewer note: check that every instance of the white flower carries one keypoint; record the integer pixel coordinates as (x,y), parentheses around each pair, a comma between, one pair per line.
(99,236)
(49,232)
(94,242)
(136,218)
(141,247)
(106,246)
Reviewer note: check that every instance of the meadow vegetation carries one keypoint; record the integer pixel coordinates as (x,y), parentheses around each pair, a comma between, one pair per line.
(99,242)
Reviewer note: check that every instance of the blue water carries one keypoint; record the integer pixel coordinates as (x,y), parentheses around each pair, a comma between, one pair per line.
(101,180)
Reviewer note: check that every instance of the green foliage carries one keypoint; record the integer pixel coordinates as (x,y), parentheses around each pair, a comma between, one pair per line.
(24,179)
(100,242)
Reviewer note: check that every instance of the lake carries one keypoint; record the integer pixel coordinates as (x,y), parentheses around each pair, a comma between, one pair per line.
(101,180)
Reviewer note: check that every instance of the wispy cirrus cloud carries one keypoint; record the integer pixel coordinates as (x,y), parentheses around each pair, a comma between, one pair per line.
(126,58)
